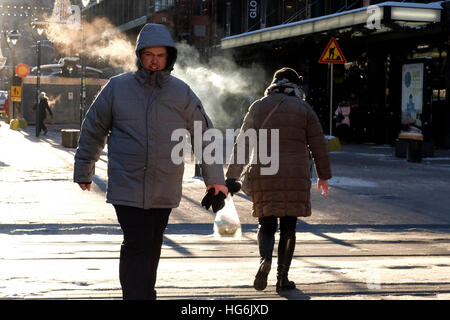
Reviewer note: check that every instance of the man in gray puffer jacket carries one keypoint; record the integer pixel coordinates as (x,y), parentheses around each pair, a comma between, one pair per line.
(137,113)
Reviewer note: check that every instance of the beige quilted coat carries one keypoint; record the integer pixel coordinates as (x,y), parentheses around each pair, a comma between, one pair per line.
(286,193)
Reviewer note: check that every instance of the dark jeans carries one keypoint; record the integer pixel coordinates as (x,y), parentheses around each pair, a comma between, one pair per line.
(141,249)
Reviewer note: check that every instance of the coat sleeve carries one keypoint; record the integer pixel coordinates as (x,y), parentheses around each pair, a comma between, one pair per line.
(195,114)
(318,146)
(94,132)
(235,168)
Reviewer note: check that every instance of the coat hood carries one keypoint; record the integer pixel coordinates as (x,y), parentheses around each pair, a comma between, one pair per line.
(155,35)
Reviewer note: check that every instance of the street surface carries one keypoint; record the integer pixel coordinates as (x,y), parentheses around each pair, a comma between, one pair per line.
(382,233)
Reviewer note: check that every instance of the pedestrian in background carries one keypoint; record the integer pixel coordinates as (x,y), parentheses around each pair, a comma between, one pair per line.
(286,194)
(137,112)
(43,107)
(356,119)
(6,107)
(342,113)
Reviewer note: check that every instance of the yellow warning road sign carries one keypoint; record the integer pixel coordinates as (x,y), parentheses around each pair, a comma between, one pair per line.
(16,93)
(332,53)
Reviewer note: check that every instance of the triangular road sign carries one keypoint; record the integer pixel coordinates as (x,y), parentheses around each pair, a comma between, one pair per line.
(332,53)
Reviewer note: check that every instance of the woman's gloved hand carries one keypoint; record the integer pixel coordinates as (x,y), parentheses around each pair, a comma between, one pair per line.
(233,186)
(215,198)
(216,201)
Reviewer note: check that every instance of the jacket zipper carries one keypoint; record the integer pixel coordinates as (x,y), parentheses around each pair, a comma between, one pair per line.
(147,110)
(146,151)
(146,157)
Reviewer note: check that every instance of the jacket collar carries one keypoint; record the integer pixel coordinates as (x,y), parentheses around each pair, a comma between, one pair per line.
(152,78)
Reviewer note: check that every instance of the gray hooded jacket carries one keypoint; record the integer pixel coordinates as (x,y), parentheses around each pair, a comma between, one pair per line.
(137,113)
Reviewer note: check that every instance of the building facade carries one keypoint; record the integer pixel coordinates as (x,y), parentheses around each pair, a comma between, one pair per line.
(189,20)
(294,33)
(18,15)
(377,38)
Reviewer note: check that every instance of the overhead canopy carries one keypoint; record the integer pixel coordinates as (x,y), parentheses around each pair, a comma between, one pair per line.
(413,13)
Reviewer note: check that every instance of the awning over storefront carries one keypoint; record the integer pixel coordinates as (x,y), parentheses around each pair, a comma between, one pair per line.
(414,14)
(133,24)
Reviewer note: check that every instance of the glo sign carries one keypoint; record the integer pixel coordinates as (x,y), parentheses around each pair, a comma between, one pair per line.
(253,14)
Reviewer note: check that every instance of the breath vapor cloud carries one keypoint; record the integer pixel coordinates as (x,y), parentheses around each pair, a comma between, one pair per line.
(225,89)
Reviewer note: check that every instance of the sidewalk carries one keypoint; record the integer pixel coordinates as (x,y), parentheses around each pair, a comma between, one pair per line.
(61,243)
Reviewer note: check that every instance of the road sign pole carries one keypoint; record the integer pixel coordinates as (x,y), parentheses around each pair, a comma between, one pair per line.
(331,55)
(331,99)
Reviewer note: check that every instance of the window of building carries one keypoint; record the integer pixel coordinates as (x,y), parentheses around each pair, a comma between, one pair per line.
(163,4)
(439,94)
(295,10)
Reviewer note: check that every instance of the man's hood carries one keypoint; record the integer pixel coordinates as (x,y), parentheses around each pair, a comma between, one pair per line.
(156,35)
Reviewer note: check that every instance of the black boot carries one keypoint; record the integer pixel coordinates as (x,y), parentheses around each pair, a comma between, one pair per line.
(265,243)
(286,248)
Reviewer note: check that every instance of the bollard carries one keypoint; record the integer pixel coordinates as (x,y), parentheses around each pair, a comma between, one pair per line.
(414,150)
(69,137)
(23,123)
(334,145)
(413,145)
(14,124)
(17,124)
(400,148)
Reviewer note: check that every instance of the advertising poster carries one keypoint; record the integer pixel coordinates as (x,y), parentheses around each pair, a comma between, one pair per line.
(412,94)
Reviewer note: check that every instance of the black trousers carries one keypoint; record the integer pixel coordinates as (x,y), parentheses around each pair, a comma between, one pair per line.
(141,249)
(42,125)
(343,132)
(268,225)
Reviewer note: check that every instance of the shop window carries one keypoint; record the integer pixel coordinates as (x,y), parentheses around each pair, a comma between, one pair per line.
(289,8)
(439,94)
(296,10)
(163,4)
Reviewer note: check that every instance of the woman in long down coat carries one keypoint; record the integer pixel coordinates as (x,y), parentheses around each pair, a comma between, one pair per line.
(285,194)
(43,108)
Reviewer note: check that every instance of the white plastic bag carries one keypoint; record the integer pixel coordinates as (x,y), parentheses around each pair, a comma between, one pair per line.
(227,223)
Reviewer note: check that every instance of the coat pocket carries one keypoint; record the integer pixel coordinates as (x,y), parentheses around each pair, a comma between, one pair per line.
(166,187)
(125,178)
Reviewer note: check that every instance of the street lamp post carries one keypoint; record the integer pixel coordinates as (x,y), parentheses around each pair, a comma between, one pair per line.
(39,27)
(2,65)
(38,87)
(11,40)
(83,68)
(83,80)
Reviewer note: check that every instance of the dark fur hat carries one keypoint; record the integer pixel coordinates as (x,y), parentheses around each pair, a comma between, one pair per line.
(288,73)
